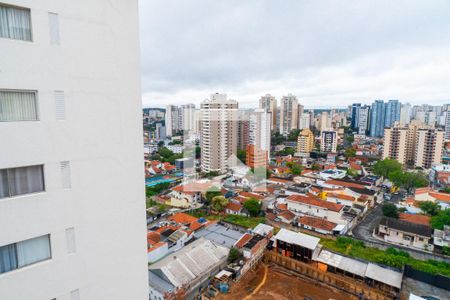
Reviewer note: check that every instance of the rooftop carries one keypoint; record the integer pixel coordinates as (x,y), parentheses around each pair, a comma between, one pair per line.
(297,238)
(312,201)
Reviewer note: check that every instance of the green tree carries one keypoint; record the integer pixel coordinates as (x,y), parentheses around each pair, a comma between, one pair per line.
(296,169)
(352,172)
(446,190)
(350,152)
(315,167)
(198,151)
(218,203)
(386,166)
(164,152)
(390,210)
(211,194)
(242,155)
(441,219)
(430,208)
(277,138)
(156,189)
(233,255)
(350,139)
(293,135)
(253,207)
(287,151)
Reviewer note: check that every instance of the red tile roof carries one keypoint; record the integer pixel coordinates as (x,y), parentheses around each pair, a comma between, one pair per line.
(286,214)
(153,237)
(341,196)
(251,195)
(345,183)
(183,218)
(311,201)
(317,223)
(243,240)
(417,219)
(155,246)
(234,206)
(282,206)
(440,196)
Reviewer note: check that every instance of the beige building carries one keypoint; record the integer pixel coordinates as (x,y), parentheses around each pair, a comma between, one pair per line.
(305,141)
(269,104)
(396,144)
(218,133)
(430,143)
(288,114)
(414,145)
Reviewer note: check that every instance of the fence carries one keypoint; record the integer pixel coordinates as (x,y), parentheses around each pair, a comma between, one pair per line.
(348,285)
(439,281)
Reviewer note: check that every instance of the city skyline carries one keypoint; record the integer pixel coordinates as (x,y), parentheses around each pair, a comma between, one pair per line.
(323,53)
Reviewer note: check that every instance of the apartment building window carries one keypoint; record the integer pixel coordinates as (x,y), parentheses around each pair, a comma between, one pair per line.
(18,106)
(15,22)
(53,23)
(20,181)
(21,254)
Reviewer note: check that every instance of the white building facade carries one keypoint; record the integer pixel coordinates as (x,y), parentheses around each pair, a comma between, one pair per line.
(72,205)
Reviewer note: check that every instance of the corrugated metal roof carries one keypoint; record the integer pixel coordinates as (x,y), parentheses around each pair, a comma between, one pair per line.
(190,262)
(344,263)
(384,275)
(298,238)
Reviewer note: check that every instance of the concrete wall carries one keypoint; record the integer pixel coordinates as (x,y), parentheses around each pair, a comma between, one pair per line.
(96,64)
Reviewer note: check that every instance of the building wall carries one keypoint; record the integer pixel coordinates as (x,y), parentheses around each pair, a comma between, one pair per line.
(218,133)
(288,114)
(301,208)
(96,64)
(398,237)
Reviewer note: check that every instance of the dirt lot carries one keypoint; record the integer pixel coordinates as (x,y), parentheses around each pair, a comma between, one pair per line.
(280,285)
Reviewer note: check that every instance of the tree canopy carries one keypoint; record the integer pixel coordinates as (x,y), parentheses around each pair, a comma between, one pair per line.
(430,208)
(253,207)
(441,219)
(211,194)
(218,203)
(386,166)
(350,152)
(390,210)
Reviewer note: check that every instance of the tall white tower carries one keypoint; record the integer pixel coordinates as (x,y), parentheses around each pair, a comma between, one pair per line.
(72,204)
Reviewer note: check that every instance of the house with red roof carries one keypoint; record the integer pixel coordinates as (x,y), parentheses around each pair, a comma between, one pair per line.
(428,194)
(234,208)
(186,195)
(316,224)
(156,249)
(311,206)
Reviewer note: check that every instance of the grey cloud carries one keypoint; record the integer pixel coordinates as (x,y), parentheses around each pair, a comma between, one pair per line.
(191,48)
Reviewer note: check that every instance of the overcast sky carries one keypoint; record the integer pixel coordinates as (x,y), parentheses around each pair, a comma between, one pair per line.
(326,53)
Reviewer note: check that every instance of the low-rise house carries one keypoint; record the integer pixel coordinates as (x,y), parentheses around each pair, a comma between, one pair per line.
(306,205)
(156,249)
(440,176)
(317,225)
(405,233)
(185,196)
(286,216)
(441,238)
(234,208)
(185,272)
(428,194)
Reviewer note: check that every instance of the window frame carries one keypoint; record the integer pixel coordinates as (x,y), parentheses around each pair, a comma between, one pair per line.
(50,256)
(26,194)
(36,97)
(31,22)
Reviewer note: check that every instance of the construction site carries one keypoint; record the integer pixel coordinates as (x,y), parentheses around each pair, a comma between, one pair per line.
(270,281)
